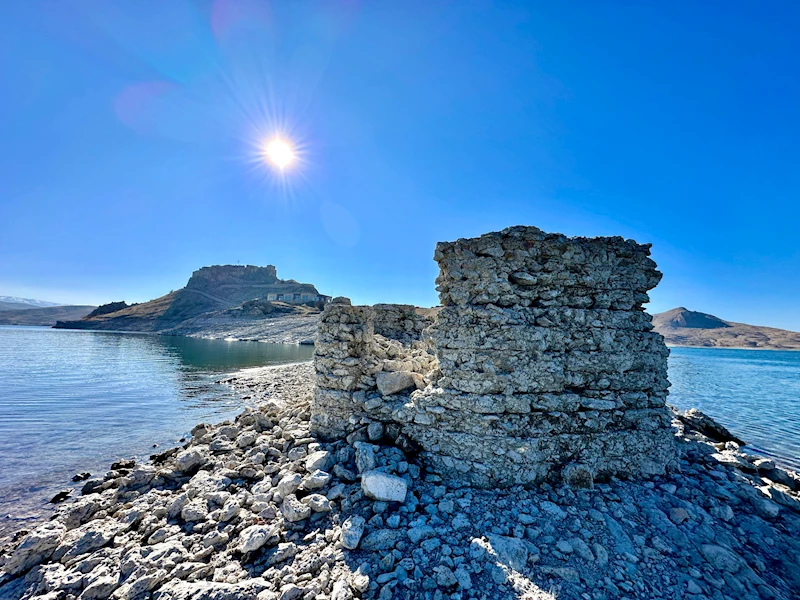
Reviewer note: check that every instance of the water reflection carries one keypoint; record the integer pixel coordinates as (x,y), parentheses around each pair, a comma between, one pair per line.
(76,400)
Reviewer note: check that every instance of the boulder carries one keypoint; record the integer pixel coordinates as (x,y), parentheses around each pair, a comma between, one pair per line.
(702,423)
(382,486)
(321,460)
(189,460)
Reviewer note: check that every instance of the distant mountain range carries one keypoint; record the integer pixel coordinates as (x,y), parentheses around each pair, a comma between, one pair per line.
(27,311)
(15,303)
(46,316)
(683,327)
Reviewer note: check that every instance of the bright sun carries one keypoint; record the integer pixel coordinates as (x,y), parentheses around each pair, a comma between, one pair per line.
(279,153)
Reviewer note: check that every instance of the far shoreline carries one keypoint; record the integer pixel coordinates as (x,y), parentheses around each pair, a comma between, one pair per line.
(732,348)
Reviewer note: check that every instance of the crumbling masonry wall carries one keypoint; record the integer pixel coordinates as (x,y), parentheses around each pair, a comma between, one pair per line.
(545,365)
(364,357)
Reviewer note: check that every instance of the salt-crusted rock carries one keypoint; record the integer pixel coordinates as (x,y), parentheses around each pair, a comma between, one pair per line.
(382,486)
(294,510)
(35,547)
(256,536)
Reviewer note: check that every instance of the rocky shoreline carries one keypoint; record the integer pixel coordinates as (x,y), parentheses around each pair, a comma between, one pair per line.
(260,509)
(284,329)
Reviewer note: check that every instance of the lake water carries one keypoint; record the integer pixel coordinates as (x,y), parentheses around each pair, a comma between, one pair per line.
(74,401)
(754,393)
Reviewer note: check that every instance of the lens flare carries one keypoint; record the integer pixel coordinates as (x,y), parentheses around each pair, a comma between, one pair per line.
(279,152)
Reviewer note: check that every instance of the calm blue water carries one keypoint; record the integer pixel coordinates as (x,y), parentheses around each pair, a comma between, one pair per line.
(754,393)
(76,400)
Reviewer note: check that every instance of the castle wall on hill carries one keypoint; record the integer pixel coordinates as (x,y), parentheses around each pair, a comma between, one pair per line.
(543,364)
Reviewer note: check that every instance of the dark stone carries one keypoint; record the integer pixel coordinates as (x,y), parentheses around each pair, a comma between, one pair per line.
(407,445)
(163,456)
(700,422)
(123,464)
(60,496)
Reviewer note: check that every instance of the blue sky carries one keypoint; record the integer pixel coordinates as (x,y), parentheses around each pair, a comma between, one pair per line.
(130,136)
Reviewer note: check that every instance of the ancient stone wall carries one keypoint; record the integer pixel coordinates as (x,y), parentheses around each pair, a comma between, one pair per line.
(367,360)
(546,365)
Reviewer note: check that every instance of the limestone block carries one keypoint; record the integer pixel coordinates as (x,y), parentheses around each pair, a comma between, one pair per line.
(394,382)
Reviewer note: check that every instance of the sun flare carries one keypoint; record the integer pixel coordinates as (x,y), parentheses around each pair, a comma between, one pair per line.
(279,153)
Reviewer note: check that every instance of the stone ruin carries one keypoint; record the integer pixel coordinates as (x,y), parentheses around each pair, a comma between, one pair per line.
(541,364)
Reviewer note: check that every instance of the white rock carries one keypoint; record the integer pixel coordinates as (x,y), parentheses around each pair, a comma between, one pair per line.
(393,382)
(255,536)
(176,506)
(321,461)
(365,457)
(318,479)
(246,439)
(510,551)
(382,486)
(189,460)
(289,484)
(317,502)
(230,509)
(101,588)
(195,511)
(294,510)
(341,591)
(88,538)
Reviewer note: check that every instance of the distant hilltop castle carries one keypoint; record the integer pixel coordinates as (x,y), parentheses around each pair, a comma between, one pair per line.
(249,281)
(209,293)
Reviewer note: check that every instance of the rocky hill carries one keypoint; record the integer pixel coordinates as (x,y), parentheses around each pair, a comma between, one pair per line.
(218,301)
(45,316)
(683,327)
